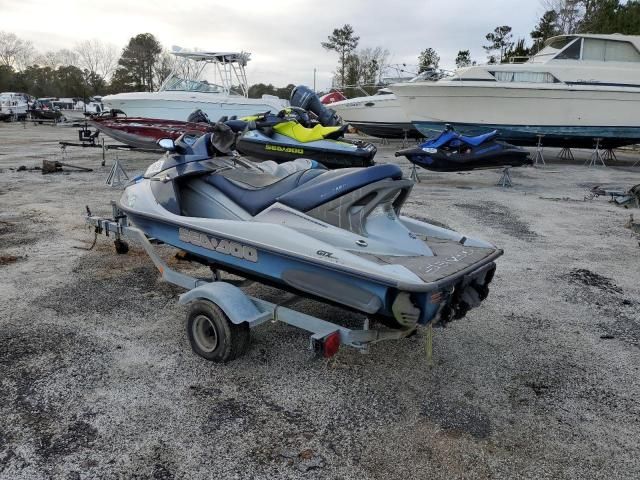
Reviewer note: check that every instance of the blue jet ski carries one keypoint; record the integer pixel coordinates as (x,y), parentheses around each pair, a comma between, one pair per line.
(452,152)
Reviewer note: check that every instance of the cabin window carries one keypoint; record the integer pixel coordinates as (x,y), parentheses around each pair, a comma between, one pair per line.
(529,77)
(600,50)
(572,52)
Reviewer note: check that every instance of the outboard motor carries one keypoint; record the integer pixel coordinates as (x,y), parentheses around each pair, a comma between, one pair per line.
(198,116)
(305,98)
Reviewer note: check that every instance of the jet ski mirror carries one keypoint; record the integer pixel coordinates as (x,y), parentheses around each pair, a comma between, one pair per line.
(167,144)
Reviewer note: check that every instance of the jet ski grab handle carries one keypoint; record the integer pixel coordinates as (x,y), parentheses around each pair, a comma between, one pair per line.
(343,211)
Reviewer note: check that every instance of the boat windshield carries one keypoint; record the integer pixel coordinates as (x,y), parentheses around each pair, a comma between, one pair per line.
(552,49)
(177,84)
(428,75)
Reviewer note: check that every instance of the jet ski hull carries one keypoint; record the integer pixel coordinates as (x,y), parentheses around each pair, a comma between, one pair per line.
(331,153)
(495,155)
(452,152)
(350,288)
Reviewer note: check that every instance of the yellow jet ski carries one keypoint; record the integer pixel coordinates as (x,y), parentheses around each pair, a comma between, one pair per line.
(289,135)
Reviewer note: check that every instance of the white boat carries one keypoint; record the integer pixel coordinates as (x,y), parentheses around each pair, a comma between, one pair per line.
(180,95)
(381,115)
(577,89)
(378,115)
(93,106)
(13,106)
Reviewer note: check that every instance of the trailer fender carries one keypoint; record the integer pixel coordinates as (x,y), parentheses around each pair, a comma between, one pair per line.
(234,302)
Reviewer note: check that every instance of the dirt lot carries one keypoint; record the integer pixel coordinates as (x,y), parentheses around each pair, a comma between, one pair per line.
(97,379)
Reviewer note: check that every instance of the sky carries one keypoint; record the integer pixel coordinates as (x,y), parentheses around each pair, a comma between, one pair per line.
(283,36)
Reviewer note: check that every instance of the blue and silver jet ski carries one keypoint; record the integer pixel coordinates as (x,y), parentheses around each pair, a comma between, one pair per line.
(452,152)
(334,235)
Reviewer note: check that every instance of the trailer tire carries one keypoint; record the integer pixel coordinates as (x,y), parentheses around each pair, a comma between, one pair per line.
(212,335)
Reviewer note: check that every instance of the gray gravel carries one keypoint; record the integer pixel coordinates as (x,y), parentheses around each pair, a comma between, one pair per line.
(542,381)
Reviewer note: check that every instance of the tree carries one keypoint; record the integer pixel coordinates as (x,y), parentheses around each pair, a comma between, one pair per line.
(365,66)
(164,66)
(500,40)
(610,16)
(7,78)
(55,59)
(70,82)
(97,57)
(259,89)
(427,59)
(463,59)
(569,13)
(519,50)
(14,51)
(343,41)
(135,67)
(285,92)
(547,27)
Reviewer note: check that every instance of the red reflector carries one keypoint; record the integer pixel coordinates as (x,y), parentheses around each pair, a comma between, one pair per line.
(331,344)
(436,297)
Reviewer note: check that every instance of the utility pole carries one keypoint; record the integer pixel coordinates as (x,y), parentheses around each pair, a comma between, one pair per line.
(314,79)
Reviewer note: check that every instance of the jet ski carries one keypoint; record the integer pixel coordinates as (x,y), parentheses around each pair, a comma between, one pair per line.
(334,235)
(290,134)
(452,152)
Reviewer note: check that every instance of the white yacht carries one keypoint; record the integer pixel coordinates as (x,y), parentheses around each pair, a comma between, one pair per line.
(182,93)
(577,89)
(381,115)
(13,106)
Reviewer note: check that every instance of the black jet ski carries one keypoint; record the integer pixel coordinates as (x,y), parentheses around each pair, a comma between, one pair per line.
(291,134)
(452,152)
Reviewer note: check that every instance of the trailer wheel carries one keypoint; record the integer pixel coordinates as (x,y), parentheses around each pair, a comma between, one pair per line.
(122,247)
(212,335)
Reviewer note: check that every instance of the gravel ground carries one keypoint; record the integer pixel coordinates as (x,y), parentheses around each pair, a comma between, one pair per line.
(97,379)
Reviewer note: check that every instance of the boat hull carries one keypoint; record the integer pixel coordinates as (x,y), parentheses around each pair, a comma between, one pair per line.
(144,133)
(179,105)
(563,116)
(378,115)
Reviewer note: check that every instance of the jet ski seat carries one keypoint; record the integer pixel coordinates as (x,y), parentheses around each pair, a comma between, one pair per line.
(306,135)
(301,190)
(480,139)
(336,183)
(255,191)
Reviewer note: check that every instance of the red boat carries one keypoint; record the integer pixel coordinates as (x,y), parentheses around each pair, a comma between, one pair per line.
(145,132)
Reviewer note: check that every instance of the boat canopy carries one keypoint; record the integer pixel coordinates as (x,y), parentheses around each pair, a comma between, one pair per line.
(241,58)
(229,76)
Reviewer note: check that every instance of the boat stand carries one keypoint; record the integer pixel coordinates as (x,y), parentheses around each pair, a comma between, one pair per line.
(117,175)
(414,173)
(405,140)
(610,155)
(505,179)
(538,159)
(566,154)
(596,156)
(239,307)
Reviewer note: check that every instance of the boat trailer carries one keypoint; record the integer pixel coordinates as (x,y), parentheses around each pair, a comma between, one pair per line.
(91,139)
(221,314)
